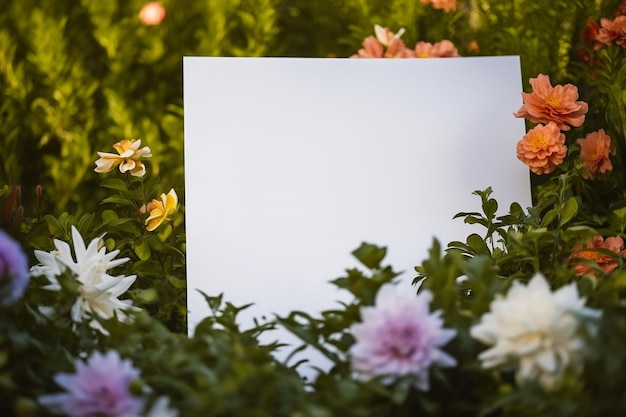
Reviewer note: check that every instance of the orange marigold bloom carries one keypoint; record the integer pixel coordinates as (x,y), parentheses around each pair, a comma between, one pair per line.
(553,104)
(594,151)
(446,5)
(542,148)
(588,252)
(443,49)
(371,49)
(612,30)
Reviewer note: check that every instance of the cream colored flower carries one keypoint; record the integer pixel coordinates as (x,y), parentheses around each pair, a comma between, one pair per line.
(385,36)
(536,329)
(128,158)
(161,210)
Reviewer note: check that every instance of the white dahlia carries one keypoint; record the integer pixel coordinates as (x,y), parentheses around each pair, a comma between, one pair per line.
(536,329)
(99,291)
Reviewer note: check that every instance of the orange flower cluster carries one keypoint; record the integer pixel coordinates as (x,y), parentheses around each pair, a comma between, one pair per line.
(589,252)
(543,147)
(612,30)
(386,44)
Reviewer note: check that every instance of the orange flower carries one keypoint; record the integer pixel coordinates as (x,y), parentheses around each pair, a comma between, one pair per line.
(594,151)
(371,49)
(446,5)
(588,252)
(152,14)
(612,30)
(443,49)
(542,148)
(374,47)
(553,104)
(397,49)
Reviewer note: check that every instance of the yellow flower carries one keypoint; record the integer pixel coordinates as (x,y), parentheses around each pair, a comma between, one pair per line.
(128,159)
(161,210)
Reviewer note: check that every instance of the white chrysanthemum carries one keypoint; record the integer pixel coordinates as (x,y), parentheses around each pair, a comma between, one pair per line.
(98,290)
(399,337)
(535,328)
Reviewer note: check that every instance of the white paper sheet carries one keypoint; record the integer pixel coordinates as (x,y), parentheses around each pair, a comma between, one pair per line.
(291,163)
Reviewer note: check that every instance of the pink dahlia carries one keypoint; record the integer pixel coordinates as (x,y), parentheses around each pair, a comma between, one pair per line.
(100,387)
(400,338)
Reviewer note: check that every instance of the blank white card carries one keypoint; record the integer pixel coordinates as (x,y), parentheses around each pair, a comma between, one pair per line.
(292,163)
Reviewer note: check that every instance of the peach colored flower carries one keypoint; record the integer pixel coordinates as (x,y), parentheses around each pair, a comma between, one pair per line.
(588,252)
(397,49)
(446,5)
(594,151)
(152,14)
(553,104)
(374,47)
(542,148)
(128,159)
(612,30)
(371,49)
(443,49)
(161,210)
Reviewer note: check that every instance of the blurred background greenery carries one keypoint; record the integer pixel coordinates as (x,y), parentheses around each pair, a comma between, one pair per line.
(78,76)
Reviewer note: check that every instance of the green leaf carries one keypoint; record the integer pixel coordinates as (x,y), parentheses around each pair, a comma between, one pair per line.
(114,184)
(549,217)
(370,255)
(142,250)
(570,208)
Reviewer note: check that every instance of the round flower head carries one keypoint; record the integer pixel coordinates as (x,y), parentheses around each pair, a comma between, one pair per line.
(588,252)
(400,338)
(128,158)
(152,13)
(536,329)
(14,275)
(98,290)
(443,49)
(100,387)
(553,104)
(542,148)
(594,151)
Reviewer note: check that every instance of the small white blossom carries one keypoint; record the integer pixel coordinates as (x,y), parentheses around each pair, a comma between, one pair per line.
(536,329)
(99,291)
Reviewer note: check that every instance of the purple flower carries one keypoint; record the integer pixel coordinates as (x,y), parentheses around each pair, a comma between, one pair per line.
(14,274)
(100,387)
(400,338)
